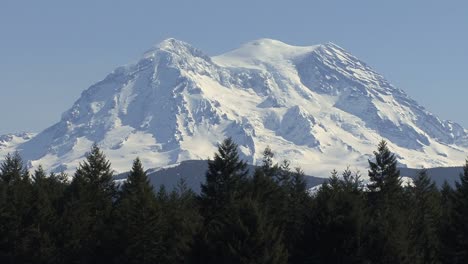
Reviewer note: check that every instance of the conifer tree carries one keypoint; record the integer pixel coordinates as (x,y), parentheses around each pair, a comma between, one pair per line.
(162,196)
(182,221)
(245,235)
(266,189)
(224,180)
(137,181)
(88,206)
(335,231)
(460,218)
(15,211)
(283,176)
(46,190)
(446,229)
(13,170)
(386,238)
(225,185)
(383,173)
(424,219)
(283,195)
(298,206)
(138,220)
(268,168)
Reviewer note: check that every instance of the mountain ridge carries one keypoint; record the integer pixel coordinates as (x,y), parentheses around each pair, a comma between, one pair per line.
(313,105)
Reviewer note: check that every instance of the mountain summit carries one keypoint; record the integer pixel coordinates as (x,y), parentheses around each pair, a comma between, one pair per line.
(318,106)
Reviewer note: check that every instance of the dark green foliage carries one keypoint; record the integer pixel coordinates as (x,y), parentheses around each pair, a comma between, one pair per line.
(283,195)
(244,235)
(137,220)
(87,211)
(224,186)
(460,219)
(424,220)
(335,231)
(268,167)
(265,189)
(298,206)
(182,221)
(386,235)
(95,174)
(137,182)
(13,170)
(447,230)
(224,180)
(383,173)
(267,218)
(46,192)
(264,185)
(283,173)
(28,213)
(239,224)
(16,219)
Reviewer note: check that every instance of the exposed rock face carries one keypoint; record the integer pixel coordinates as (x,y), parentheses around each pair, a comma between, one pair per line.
(318,106)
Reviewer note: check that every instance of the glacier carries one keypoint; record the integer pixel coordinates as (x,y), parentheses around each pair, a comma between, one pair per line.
(317,106)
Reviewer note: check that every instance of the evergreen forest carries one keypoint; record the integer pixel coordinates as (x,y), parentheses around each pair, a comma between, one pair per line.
(265,217)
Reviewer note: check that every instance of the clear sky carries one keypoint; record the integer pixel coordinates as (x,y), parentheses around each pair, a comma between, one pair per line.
(50,51)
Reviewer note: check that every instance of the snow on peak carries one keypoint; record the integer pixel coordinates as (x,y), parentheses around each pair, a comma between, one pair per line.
(171,43)
(174,46)
(268,48)
(262,50)
(318,106)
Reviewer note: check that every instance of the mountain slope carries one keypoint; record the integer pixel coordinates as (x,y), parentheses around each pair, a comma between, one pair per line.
(9,142)
(318,106)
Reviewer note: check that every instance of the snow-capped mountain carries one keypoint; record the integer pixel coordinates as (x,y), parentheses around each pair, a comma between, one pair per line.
(318,106)
(9,142)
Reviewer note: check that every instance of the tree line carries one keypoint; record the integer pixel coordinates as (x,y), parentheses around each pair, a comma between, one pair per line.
(267,217)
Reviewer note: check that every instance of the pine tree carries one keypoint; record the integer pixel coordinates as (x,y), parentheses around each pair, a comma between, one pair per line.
(225,185)
(283,176)
(298,206)
(424,219)
(224,180)
(386,238)
(245,235)
(88,206)
(383,173)
(335,231)
(137,220)
(266,189)
(47,190)
(13,170)
(137,181)
(162,196)
(460,218)
(15,211)
(182,221)
(283,195)
(446,230)
(268,168)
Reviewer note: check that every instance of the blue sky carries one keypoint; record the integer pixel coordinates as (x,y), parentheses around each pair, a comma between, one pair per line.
(50,51)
